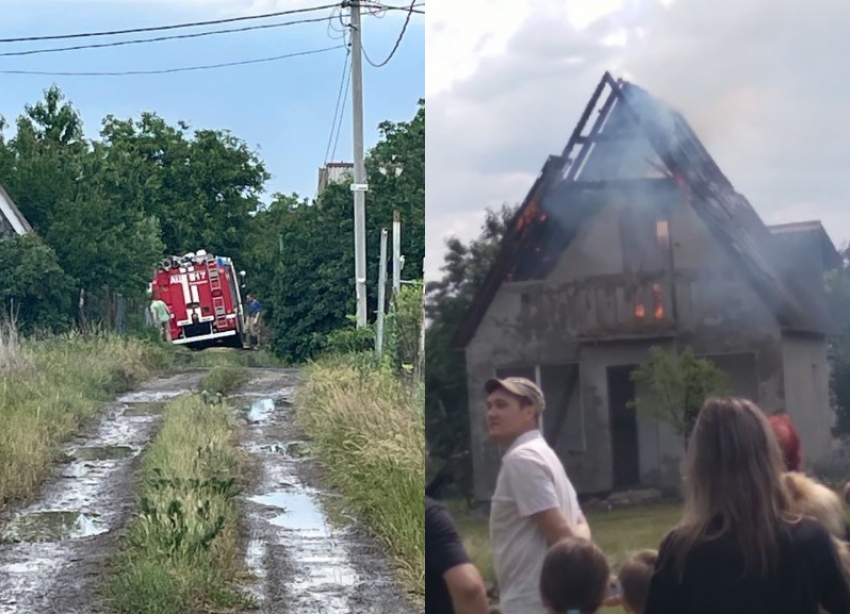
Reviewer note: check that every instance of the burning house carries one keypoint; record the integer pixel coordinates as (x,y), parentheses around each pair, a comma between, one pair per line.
(634,238)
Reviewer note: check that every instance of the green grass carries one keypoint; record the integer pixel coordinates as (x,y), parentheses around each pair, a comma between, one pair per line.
(50,387)
(215,357)
(367,430)
(181,553)
(224,380)
(618,533)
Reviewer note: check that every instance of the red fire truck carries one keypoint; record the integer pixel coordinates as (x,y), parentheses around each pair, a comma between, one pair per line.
(202,292)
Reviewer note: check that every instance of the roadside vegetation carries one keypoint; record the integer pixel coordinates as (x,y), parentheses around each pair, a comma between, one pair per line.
(50,387)
(365,417)
(182,551)
(224,380)
(223,357)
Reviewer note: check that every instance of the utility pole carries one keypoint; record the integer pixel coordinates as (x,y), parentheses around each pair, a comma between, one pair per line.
(396,252)
(382,294)
(420,359)
(359,187)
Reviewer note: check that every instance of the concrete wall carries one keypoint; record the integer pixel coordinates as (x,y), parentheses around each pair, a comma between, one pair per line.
(540,323)
(807,393)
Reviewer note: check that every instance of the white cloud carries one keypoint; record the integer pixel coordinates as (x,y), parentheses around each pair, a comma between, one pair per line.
(759,81)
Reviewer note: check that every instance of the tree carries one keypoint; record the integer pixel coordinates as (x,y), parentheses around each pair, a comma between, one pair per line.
(301,261)
(465,267)
(42,161)
(675,387)
(837,285)
(109,209)
(33,288)
(202,188)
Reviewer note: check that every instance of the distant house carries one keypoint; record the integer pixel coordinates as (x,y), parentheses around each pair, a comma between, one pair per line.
(12,222)
(334,172)
(634,238)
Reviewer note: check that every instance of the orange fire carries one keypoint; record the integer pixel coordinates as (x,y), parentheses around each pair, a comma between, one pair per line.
(640,311)
(658,301)
(527,216)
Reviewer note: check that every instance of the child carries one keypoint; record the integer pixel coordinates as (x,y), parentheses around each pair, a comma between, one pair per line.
(634,578)
(574,579)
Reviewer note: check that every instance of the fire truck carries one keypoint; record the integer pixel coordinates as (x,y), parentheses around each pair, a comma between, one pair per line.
(202,292)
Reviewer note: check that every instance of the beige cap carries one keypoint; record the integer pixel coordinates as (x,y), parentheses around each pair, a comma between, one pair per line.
(520,387)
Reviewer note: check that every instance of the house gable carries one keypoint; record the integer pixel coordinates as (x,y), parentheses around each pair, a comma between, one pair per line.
(639,145)
(12,221)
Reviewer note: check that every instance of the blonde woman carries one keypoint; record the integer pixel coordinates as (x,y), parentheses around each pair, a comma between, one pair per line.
(740,548)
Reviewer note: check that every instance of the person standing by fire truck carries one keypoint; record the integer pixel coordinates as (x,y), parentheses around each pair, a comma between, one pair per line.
(162,317)
(255,309)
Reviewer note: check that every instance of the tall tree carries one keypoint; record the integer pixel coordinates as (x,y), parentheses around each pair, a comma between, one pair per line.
(302,258)
(838,295)
(465,267)
(202,187)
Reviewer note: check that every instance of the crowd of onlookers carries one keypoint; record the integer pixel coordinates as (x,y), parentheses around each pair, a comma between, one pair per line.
(757,535)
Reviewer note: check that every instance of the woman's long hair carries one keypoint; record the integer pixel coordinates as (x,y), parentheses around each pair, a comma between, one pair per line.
(733,486)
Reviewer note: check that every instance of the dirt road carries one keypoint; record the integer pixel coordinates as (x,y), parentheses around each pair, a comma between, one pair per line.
(303,565)
(52,551)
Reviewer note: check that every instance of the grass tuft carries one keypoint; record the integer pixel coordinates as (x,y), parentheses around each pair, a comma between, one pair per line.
(50,387)
(224,380)
(182,550)
(367,430)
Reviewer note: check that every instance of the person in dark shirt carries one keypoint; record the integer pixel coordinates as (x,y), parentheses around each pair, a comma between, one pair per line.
(453,585)
(740,548)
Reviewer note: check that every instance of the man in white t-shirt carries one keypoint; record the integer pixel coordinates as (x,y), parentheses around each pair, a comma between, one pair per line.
(534,504)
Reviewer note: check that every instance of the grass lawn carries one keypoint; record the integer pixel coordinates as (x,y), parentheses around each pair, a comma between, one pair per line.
(618,533)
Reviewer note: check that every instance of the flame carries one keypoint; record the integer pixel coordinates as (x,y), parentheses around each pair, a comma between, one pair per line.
(658,301)
(527,216)
(640,311)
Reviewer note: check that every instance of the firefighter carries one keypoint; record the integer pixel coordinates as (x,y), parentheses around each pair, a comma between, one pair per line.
(162,317)
(255,308)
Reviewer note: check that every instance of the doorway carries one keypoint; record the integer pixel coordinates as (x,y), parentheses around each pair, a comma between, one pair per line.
(624,428)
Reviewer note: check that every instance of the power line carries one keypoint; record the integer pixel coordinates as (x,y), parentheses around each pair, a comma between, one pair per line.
(169,70)
(398,40)
(337,116)
(392,7)
(138,41)
(194,24)
(341,114)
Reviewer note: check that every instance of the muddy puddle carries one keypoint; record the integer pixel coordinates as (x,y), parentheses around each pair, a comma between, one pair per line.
(303,555)
(144,409)
(102,453)
(52,527)
(52,551)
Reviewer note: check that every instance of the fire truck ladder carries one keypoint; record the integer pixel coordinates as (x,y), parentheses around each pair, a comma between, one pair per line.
(215,288)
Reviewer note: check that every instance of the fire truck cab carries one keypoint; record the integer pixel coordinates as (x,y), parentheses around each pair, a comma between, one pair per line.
(202,292)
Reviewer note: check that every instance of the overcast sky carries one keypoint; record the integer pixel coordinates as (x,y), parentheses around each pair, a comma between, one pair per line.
(283,108)
(760,82)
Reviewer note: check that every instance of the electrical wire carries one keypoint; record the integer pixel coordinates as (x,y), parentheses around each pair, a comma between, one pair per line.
(398,40)
(337,116)
(138,41)
(194,24)
(341,114)
(392,7)
(169,70)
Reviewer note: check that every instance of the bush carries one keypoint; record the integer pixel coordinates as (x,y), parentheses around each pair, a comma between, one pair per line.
(403,325)
(349,340)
